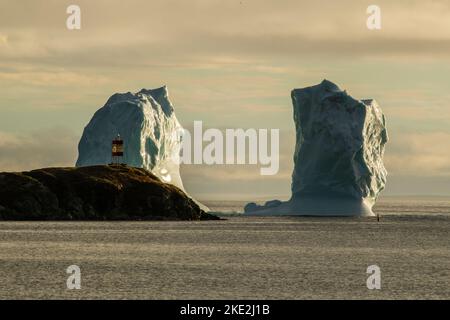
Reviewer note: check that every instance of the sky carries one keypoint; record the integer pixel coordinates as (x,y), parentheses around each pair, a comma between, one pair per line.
(230,64)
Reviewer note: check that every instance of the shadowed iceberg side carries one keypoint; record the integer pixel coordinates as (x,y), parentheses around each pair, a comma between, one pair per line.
(338,157)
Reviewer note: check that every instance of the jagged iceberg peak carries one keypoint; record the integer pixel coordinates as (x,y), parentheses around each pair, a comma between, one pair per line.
(146,122)
(338,157)
(322,91)
(324,87)
(159,97)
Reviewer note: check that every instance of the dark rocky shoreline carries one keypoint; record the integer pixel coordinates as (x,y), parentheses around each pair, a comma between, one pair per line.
(93,193)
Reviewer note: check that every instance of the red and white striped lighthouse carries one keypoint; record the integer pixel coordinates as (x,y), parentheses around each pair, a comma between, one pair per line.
(117,150)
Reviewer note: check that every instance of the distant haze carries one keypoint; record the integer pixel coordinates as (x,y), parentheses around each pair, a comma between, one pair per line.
(229,64)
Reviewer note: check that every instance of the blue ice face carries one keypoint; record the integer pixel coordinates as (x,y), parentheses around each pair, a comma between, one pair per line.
(340,143)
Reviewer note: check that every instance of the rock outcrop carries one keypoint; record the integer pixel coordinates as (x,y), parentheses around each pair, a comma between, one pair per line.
(93,193)
(338,158)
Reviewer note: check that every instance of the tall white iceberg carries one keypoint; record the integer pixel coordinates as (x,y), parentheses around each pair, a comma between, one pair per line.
(338,157)
(147,124)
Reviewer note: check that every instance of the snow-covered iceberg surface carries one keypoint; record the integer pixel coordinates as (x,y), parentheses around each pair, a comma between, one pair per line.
(338,157)
(150,130)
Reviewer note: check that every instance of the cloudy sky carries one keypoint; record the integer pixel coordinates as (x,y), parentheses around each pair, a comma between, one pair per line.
(229,63)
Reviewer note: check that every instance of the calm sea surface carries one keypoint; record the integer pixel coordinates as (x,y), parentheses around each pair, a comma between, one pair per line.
(385,206)
(241,257)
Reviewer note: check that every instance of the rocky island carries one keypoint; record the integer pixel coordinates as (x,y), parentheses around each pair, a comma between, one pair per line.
(100,192)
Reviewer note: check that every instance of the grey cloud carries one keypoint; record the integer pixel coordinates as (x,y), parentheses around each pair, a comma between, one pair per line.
(153,34)
(44,148)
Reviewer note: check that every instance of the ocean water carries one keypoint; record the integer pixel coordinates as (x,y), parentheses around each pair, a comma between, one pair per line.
(412,205)
(237,258)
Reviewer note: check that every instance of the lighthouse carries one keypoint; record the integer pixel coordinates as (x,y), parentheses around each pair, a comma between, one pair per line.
(117,150)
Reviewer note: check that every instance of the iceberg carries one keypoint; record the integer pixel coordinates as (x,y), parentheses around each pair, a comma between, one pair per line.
(338,157)
(148,126)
